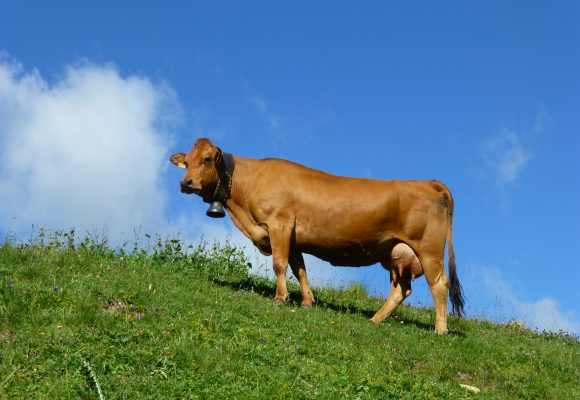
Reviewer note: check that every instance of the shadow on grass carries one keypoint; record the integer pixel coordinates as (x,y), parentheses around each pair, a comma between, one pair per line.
(267,289)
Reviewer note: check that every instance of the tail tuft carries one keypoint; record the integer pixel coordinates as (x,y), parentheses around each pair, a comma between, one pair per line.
(455,289)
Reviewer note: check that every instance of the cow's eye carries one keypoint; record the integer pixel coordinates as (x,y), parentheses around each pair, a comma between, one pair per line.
(206,160)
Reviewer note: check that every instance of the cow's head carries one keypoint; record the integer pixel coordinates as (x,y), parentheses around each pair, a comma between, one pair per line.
(201,164)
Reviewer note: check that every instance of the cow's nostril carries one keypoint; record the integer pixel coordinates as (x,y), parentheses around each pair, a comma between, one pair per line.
(186,183)
(187,186)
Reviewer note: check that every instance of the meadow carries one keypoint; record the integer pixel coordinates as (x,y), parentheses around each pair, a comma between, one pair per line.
(159,318)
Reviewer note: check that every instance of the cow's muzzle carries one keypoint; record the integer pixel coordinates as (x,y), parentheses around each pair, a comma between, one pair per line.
(187,186)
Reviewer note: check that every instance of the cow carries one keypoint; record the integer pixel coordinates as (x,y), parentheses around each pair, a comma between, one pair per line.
(287,209)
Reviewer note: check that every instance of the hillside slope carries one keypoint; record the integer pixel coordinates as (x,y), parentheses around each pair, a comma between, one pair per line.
(81,320)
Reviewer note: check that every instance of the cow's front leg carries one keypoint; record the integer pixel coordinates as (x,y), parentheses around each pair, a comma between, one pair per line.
(280,242)
(299,270)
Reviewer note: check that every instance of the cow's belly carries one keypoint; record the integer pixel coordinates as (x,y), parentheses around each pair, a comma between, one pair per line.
(351,254)
(345,243)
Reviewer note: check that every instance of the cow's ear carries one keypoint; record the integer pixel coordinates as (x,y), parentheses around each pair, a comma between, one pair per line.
(179,160)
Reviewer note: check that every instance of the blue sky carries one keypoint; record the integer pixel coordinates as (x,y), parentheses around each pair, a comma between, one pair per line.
(483,96)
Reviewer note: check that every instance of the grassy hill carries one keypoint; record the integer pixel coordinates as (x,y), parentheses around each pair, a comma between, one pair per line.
(79,320)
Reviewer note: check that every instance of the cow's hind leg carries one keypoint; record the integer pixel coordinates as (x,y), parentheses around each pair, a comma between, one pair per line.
(400,289)
(439,285)
(299,270)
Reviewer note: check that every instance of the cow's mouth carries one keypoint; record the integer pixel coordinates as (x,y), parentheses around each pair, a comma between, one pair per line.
(189,190)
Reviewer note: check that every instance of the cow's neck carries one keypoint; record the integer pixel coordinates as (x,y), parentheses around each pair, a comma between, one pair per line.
(239,183)
(238,205)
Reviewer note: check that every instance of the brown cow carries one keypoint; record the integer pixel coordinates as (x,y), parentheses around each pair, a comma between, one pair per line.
(287,209)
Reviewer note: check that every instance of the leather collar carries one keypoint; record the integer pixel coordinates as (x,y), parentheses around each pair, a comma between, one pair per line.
(225,167)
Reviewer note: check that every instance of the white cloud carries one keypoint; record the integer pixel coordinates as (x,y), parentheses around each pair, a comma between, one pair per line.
(273,120)
(505,156)
(543,119)
(544,314)
(86,151)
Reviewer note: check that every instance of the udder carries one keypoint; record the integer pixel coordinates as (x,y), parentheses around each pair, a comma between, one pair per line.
(405,263)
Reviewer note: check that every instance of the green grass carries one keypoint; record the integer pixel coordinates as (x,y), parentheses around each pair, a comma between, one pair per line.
(190,322)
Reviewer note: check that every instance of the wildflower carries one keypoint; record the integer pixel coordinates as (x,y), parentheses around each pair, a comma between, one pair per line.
(352,332)
(263,340)
(472,389)
(56,289)
(139,317)
(10,284)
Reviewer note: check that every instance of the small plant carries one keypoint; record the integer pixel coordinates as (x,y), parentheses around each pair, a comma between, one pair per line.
(90,372)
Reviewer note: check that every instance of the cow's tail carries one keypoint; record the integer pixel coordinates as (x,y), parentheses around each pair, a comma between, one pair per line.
(455,290)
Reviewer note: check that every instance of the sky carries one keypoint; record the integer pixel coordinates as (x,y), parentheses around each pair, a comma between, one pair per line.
(483,96)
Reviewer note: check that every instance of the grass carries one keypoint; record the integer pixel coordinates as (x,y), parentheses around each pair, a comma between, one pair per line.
(81,320)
